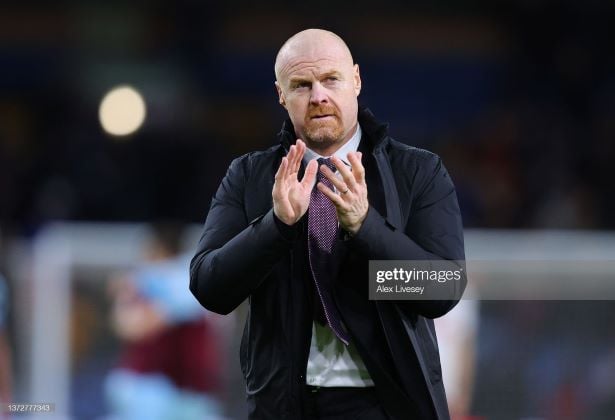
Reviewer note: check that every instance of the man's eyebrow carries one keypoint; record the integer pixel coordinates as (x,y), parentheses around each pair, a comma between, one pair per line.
(331,73)
(297,79)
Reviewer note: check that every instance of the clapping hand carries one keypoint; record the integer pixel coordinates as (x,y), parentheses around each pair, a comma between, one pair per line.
(291,197)
(351,197)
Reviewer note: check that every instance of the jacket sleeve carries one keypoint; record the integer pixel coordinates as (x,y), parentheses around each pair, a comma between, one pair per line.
(234,255)
(433,231)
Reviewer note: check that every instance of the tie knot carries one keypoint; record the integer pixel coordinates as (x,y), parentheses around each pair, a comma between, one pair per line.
(328,163)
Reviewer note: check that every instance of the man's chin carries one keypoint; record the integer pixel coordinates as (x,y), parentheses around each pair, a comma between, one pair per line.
(319,144)
(323,136)
(321,139)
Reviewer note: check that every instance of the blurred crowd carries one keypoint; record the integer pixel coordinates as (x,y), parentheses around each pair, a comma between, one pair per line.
(518,98)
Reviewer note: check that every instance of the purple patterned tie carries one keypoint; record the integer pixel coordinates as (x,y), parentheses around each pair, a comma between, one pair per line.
(322,232)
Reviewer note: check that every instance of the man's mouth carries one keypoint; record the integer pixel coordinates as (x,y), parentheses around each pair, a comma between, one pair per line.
(322,116)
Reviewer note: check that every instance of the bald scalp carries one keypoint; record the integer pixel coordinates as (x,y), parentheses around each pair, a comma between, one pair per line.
(310,43)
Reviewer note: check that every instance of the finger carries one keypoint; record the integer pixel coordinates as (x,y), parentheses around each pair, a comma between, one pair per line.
(291,153)
(344,175)
(310,174)
(293,165)
(336,198)
(299,152)
(339,184)
(345,172)
(278,186)
(280,173)
(301,144)
(358,170)
(294,161)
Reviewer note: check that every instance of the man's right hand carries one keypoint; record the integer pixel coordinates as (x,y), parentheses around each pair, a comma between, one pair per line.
(291,197)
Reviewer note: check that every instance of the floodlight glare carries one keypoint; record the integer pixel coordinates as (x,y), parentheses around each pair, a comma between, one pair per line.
(122,111)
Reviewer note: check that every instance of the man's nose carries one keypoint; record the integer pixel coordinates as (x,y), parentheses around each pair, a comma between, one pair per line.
(319,94)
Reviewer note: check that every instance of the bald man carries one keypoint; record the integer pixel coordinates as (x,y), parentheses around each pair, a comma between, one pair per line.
(293,228)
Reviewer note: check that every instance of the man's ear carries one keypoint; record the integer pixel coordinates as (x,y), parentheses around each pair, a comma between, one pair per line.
(280,94)
(357,80)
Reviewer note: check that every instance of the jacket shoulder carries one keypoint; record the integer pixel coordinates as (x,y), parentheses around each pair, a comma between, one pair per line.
(408,156)
(255,159)
(417,170)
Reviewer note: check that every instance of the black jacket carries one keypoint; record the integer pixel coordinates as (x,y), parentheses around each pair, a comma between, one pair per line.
(245,252)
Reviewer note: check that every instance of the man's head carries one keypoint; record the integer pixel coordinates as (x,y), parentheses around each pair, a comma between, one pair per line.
(318,84)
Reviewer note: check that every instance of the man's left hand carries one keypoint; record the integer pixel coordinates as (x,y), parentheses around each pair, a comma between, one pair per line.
(351,197)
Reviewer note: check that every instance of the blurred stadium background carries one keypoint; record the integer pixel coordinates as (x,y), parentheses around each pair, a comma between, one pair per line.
(517,96)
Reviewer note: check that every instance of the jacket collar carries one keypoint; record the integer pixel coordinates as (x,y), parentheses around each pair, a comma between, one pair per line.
(374,131)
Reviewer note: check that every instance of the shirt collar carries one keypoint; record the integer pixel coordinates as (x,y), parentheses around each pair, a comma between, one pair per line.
(352,145)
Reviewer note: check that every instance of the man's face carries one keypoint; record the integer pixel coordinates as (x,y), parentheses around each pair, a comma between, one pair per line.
(318,85)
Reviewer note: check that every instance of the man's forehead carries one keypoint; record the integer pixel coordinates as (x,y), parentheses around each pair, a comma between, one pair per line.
(312,47)
(314,63)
